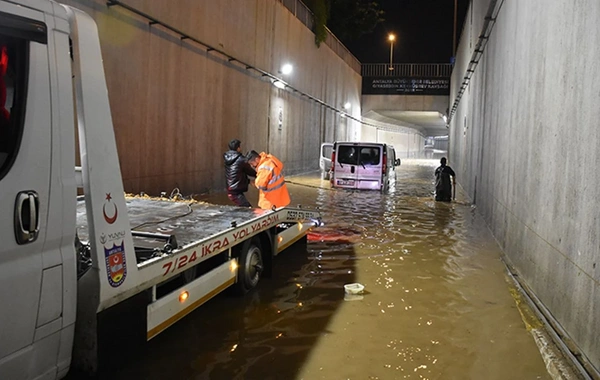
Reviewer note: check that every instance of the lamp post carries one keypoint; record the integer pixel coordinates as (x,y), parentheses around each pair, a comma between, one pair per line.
(454,32)
(391,38)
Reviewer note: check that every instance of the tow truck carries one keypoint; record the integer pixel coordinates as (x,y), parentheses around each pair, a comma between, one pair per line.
(69,263)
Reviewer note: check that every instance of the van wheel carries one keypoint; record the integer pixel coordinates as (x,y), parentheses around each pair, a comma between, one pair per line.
(250,266)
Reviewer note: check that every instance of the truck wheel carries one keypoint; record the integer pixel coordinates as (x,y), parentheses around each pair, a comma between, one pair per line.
(250,266)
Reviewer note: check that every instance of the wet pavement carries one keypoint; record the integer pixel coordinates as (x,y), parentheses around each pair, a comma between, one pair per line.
(437,302)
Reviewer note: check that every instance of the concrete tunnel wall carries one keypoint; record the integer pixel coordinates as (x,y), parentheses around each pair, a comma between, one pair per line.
(407,142)
(525,143)
(175,106)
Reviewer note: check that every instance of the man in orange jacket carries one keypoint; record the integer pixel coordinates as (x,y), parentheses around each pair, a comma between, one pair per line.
(269,180)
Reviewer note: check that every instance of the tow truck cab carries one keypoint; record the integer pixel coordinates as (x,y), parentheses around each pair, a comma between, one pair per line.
(37,191)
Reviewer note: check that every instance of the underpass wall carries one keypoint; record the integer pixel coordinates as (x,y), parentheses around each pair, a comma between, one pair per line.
(175,105)
(407,142)
(525,144)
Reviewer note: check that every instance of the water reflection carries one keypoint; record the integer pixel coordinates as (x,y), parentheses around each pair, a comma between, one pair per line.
(436,304)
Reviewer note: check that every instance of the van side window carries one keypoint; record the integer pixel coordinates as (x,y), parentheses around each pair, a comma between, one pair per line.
(14,65)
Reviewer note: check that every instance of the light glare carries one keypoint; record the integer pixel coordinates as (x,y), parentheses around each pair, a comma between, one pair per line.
(183,296)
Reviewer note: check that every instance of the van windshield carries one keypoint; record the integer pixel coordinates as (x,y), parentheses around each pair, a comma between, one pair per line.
(351,154)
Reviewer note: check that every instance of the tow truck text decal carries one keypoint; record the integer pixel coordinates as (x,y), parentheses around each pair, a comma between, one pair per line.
(218,245)
(300,215)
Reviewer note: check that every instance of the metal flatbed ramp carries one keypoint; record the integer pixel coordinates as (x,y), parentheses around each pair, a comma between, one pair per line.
(188,221)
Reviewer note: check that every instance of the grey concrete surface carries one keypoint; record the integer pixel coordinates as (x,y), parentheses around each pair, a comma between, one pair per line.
(525,143)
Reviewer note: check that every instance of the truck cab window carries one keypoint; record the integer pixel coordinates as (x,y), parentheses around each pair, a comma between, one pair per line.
(13,75)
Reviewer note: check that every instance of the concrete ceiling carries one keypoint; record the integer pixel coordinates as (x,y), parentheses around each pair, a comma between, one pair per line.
(429,122)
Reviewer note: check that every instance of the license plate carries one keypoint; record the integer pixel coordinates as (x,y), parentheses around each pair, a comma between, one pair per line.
(345,182)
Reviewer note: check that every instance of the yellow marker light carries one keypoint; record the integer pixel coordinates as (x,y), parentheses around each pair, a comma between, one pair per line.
(183,296)
(299,225)
(233,266)
(280,239)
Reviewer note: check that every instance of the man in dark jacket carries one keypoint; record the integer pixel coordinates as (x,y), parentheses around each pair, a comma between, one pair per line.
(237,171)
(443,187)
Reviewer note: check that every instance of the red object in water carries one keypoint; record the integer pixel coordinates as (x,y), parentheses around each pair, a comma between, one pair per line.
(333,235)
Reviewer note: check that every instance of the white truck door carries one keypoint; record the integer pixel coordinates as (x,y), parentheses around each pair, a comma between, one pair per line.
(25,163)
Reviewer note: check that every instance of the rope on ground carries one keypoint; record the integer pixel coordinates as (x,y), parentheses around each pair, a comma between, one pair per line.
(312,186)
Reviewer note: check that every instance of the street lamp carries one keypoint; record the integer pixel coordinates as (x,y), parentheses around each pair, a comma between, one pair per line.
(391,38)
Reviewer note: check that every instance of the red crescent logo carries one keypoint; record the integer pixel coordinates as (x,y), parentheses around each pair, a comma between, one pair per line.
(112,219)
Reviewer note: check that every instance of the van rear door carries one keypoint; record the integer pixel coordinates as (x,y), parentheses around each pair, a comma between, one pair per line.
(345,165)
(369,171)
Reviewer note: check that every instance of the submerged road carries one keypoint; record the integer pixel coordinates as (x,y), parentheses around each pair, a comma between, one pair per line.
(437,302)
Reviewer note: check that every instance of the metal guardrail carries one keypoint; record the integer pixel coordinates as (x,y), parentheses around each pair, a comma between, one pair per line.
(304,14)
(435,70)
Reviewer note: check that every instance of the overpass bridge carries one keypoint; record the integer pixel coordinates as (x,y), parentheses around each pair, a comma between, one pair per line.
(407,95)
(409,104)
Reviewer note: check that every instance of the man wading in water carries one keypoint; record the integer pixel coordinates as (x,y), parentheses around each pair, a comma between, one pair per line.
(443,187)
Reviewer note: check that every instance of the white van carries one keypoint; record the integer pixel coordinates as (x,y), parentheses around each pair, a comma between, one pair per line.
(360,165)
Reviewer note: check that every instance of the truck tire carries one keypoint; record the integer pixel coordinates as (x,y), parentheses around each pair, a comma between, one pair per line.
(250,266)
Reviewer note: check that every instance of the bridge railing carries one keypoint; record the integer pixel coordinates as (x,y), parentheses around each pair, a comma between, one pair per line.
(431,70)
(406,79)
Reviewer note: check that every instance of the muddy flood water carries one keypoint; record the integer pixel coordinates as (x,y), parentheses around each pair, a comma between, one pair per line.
(437,301)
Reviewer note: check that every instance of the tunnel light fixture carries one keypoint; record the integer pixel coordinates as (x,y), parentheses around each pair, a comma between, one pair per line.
(287,69)
(279,84)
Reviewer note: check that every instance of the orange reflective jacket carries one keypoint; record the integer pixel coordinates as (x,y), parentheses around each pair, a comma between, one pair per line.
(270,183)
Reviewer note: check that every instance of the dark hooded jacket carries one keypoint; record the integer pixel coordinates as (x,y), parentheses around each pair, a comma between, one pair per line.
(237,170)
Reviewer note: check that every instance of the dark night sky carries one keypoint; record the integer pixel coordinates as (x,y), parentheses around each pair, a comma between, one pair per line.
(423,30)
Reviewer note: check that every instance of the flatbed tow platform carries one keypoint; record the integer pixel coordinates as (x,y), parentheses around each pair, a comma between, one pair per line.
(201,245)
